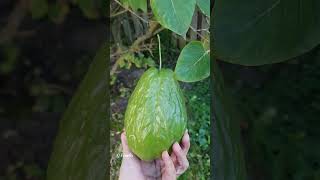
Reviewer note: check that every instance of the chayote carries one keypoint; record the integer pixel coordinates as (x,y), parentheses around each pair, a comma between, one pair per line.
(156,114)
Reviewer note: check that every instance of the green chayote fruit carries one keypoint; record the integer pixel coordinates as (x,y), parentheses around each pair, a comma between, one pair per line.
(156,115)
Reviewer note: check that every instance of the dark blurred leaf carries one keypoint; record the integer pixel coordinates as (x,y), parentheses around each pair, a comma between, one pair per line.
(88,8)
(33,171)
(58,104)
(80,149)
(103,6)
(58,11)
(38,8)
(10,54)
(256,32)
(228,157)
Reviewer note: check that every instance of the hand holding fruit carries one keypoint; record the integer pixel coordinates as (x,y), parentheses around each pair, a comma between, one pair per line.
(166,168)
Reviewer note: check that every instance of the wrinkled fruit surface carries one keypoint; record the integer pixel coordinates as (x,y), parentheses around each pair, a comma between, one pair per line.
(156,115)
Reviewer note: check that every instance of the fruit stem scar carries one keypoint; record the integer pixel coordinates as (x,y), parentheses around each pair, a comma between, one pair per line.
(159,51)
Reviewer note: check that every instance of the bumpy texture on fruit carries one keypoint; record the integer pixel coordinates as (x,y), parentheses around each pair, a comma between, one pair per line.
(156,115)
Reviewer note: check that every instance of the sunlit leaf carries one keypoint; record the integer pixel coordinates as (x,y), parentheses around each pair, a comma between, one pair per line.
(193,63)
(175,15)
(138,4)
(204,6)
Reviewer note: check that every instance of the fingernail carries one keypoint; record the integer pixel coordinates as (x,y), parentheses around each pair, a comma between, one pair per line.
(165,155)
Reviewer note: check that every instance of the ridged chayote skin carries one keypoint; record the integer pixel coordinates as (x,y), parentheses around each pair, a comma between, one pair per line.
(156,115)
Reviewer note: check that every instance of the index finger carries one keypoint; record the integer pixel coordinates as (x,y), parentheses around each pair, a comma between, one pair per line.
(185,142)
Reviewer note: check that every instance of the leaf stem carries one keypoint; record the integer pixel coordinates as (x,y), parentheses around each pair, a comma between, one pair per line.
(159,51)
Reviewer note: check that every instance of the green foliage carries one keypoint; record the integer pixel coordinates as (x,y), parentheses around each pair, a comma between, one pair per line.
(204,6)
(136,4)
(175,15)
(263,32)
(39,8)
(193,63)
(140,61)
(80,147)
(228,157)
(198,103)
(128,59)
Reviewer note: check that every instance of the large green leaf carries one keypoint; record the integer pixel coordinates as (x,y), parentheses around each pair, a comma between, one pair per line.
(256,32)
(193,63)
(136,4)
(125,3)
(204,6)
(80,149)
(228,157)
(175,15)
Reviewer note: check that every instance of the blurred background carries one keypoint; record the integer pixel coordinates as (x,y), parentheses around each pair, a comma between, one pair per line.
(45,49)
(280,107)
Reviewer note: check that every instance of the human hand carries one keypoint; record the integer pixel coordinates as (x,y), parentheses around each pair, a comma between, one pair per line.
(166,168)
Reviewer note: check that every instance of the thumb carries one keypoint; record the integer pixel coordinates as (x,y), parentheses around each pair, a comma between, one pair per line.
(124,142)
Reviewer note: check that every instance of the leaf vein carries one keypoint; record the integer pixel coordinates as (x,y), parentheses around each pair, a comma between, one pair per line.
(262,14)
(201,57)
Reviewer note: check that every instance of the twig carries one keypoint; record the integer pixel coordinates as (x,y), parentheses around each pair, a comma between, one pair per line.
(199,34)
(159,51)
(141,48)
(205,29)
(118,13)
(152,28)
(136,46)
(159,30)
(145,21)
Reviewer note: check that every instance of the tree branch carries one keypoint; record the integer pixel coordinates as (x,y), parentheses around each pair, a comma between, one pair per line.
(154,29)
